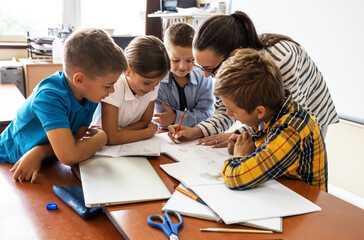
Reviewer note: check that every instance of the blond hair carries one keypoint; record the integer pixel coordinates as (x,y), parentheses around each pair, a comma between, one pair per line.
(148,57)
(249,79)
(94,52)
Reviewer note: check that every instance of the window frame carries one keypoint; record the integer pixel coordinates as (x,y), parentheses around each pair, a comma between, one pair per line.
(71,11)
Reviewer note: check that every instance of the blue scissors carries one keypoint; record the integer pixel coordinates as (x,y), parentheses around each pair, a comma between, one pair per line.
(167,226)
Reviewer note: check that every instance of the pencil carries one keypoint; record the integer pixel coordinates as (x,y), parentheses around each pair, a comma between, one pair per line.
(180,122)
(198,199)
(232,230)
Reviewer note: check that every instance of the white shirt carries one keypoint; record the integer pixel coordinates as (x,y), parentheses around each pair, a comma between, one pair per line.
(131,107)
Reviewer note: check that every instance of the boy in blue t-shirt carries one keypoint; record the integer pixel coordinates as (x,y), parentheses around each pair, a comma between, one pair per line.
(185,86)
(55,118)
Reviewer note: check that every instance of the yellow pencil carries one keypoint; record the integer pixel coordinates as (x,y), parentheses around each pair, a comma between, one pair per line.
(232,230)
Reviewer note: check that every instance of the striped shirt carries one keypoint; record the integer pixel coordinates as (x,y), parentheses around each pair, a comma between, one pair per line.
(289,145)
(300,76)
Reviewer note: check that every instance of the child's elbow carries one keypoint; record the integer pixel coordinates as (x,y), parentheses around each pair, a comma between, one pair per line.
(233,186)
(111,140)
(68,159)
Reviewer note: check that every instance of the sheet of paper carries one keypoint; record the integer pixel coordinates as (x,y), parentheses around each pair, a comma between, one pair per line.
(148,147)
(189,152)
(196,173)
(268,200)
(186,152)
(189,207)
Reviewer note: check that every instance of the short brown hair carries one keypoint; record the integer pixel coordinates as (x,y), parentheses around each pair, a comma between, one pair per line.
(179,34)
(249,79)
(148,57)
(94,52)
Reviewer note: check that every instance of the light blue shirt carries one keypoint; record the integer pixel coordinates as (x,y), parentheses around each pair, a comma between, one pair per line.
(51,105)
(198,91)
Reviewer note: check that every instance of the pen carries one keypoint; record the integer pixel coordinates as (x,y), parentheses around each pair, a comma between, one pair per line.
(180,122)
(198,199)
(232,230)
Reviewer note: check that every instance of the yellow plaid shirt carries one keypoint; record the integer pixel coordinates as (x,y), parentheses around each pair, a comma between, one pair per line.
(290,145)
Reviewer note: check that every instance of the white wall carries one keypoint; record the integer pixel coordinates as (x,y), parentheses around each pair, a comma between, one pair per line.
(332,32)
(345,145)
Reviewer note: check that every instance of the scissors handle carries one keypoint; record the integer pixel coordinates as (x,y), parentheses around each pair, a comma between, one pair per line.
(174,227)
(166,225)
(162,226)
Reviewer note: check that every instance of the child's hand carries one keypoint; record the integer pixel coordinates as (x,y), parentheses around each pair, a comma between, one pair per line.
(28,166)
(231,143)
(165,118)
(153,127)
(92,131)
(244,145)
(184,133)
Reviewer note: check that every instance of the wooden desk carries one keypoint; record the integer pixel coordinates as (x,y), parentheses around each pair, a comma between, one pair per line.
(34,72)
(23,213)
(11,100)
(337,220)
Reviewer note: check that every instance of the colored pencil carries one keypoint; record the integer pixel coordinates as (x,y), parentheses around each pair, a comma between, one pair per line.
(180,122)
(198,199)
(232,230)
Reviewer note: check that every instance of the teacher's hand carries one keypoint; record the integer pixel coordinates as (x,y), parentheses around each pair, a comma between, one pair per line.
(216,141)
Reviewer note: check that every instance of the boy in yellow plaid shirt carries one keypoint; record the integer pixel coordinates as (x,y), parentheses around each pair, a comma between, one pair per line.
(286,140)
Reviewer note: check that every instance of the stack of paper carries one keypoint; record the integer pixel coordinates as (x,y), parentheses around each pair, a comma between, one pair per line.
(268,200)
(189,207)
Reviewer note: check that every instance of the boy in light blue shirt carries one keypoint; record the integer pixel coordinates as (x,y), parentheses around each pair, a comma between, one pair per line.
(55,118)
(185,86)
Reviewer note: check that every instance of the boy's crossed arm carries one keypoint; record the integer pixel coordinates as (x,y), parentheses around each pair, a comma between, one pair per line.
(69,149)
(137,131)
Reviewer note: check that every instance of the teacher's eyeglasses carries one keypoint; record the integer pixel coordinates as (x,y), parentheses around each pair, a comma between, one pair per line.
(209,71)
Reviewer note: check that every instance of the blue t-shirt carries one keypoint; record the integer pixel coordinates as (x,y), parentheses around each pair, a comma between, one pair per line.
(51,105)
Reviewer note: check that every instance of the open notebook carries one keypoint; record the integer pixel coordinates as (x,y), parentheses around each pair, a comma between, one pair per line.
(190,207)
(162,144)
(109,181)
(148,147)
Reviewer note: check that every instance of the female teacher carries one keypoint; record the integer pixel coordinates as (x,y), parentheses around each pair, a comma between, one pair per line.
(219,37)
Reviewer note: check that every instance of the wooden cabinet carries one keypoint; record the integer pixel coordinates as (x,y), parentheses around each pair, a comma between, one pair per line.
(35,71)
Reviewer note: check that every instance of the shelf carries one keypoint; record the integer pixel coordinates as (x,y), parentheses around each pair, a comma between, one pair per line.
(39,47)
(179,15)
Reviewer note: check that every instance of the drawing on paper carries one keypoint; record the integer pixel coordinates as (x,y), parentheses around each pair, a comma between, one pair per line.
(209,176)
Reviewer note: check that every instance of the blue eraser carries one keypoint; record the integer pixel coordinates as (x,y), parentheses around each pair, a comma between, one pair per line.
(51,206)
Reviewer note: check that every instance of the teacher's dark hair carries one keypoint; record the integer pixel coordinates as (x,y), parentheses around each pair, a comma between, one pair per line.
(225,33)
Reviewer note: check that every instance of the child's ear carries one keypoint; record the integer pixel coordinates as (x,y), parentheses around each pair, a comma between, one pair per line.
(233,52)
(260,112)
(128,72)
(79,78)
